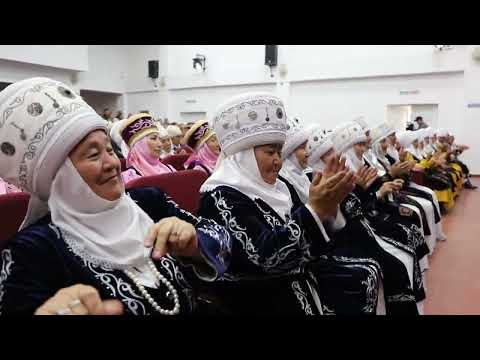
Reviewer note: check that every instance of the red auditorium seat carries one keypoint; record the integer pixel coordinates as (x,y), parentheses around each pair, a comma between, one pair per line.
(176,161)
(183,187)
(13,208)
(123,163)
(417,177)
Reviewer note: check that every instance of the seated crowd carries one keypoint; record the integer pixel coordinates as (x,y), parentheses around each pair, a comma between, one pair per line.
(291,220)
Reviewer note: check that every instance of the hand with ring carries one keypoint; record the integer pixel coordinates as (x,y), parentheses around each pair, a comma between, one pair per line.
(174,236)
(79,300)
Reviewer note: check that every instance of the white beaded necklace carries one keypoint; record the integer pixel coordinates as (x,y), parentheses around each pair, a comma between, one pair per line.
(149,298)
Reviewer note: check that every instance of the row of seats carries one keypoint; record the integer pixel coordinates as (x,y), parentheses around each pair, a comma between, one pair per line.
(183,187)
(176,161)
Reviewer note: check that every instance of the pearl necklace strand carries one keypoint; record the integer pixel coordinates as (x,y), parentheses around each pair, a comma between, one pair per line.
(149,298)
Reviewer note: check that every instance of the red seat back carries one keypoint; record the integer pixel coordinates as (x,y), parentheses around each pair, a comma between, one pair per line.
(13,208)
(176,161)
(183,187)
(417,177)
(123,163)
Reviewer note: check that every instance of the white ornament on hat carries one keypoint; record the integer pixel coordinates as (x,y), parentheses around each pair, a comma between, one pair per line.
(296,136)
(318,144)
(362,122)
(346,135)
(41,120)
(249,120)
(381,132)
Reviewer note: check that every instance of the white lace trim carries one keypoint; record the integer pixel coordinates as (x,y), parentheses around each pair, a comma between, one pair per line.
(7,262)
(302,298)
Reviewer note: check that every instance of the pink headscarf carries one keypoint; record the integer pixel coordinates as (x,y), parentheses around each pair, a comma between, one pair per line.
(144,162)
(205,156)
(6,188)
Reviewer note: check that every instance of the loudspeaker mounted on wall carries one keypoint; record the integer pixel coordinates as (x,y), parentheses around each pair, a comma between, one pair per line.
(153,69)
(271,55)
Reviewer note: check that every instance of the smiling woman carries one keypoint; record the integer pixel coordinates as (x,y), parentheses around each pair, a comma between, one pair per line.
(144,138)
(98,165)
(84,241)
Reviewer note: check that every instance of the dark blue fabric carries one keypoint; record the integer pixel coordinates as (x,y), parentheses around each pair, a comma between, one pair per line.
(38,262)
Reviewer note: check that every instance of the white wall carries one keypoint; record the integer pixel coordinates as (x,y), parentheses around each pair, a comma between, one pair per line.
(206,99)
(100,101)
(331,102)
(142,91)
(70,57)
(107,66)
(107,70)
(12,71)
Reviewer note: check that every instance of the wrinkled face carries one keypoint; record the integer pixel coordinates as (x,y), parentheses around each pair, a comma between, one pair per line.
(384,144)
(176,139)
(98,165)
(166,144)
(154,145)
(360,149)
(302,155)
(328,155)
(269,161)
(393,139)
(415,143)
(213,144)
(369,139)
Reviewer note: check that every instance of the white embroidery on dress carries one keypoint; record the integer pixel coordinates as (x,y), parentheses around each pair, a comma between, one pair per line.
(302,298)
(400,298)
(276,262)
(118,288)
(7,262)
(190,215)
(327,311)
(414,235)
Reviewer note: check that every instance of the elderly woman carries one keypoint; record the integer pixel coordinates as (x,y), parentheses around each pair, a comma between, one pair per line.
(176,136)
(165,142)
(434,168)
(202,139)
(422,194)
(348,278)
(82,233)
(390,216)
(358,244)
(419,198)
(144,139)
(272,241)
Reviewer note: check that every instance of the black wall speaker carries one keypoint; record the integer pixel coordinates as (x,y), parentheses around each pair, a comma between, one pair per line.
(271,55)
(153,69)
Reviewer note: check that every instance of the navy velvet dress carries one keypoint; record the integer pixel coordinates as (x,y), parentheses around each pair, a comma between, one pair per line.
(38,262)
(267,273)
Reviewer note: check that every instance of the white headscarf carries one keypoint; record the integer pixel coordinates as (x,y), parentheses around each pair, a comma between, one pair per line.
(104,232)
(240,171)
(294,174)
(353,162)
(46,120)
(291,169)
(117,137)
(379,153)
(372,160)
